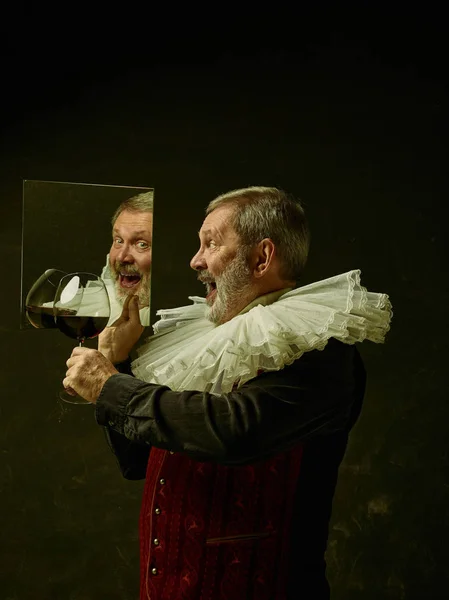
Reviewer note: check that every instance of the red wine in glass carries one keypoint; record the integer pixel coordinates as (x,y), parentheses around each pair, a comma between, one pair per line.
(77,304)
(80,328)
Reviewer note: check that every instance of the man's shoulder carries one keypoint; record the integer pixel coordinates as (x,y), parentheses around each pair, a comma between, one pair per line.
(333,376)
(336,362)
(333,351)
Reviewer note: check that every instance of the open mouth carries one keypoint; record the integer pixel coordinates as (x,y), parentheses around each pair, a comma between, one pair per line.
(128,281)
(211,288)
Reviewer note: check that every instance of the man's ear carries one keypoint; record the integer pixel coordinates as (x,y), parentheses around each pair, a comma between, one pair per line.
(263,257)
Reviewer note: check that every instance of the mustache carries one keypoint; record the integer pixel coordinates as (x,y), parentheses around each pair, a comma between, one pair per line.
(126,269)
(205,277)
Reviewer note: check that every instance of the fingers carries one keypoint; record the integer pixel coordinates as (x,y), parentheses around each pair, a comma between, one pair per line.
(78,350)
(70,391)
(67,387)
(78,353)
(87,377)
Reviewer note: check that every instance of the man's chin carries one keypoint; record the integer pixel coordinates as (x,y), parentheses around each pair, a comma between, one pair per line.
(216,311)
(123,293)
(210,315)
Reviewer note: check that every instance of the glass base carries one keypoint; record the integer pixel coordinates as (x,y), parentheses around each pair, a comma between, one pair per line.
(66,397)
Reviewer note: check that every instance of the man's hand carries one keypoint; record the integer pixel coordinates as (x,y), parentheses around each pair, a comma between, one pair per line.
(88,371)
(115,342)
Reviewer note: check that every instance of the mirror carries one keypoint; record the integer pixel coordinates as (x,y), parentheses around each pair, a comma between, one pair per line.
(101,229)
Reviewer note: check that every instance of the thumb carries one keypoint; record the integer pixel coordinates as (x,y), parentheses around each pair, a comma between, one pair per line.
(133,310)
(125,312)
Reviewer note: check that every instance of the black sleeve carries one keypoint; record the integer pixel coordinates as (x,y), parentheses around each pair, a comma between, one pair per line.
(132,457)
(273,411)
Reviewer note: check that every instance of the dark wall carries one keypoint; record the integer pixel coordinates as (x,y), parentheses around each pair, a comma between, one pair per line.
(351,121)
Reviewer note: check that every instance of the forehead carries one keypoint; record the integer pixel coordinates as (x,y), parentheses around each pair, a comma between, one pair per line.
(131,221)
(219,220)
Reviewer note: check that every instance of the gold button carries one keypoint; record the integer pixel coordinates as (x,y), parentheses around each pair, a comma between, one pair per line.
(171,452)
(156,542)
(154,571)
(162,481)
(157,511)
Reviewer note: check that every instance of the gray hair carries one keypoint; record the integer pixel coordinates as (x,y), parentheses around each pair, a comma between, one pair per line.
(267,212)
(139,203)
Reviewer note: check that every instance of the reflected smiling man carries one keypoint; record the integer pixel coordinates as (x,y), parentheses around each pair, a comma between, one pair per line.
(128,269)
(240,410)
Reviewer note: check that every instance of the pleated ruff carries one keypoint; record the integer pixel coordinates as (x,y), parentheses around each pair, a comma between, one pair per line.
(188,352)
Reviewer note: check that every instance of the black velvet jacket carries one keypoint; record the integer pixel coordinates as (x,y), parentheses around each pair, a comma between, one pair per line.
(317,396)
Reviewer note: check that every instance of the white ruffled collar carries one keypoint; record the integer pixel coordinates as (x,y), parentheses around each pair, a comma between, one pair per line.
(188,352)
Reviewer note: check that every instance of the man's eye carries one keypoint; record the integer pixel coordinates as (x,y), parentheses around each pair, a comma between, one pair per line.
(118,241)
(211,244)
(142,245)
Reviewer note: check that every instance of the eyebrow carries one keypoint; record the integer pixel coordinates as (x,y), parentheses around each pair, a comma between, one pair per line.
(142,232)
(212,232)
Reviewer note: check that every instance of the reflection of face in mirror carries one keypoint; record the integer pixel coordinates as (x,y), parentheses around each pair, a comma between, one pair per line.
(130,253)
(65,203)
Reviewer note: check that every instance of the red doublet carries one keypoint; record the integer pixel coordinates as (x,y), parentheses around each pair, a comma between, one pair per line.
(214,532)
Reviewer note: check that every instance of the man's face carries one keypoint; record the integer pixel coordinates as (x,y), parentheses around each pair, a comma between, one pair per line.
(130,254)
(223,267)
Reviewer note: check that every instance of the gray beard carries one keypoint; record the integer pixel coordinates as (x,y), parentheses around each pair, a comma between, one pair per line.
(231,286)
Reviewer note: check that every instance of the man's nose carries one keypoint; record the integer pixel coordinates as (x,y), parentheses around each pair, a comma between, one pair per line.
(198,263)
(125,255)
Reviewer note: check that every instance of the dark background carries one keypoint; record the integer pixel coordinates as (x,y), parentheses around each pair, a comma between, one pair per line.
(347,108)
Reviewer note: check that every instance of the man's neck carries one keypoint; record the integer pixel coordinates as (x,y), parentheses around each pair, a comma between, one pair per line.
(265,299)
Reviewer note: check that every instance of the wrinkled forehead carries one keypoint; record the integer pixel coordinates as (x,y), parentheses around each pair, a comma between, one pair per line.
(134,222)
(219,221)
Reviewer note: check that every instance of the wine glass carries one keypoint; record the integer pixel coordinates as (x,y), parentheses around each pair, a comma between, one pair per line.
(81,311)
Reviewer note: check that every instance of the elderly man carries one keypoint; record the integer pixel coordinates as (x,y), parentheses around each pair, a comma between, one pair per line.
(128,268)
(243,416)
